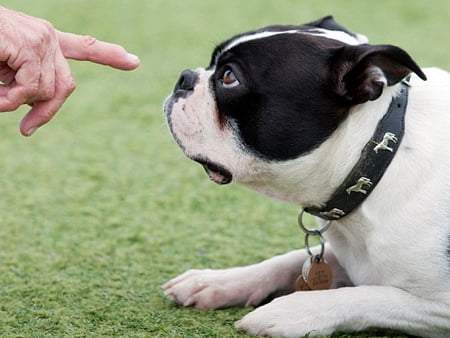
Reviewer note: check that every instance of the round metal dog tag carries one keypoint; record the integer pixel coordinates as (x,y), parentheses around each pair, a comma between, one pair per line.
(318,275)
(301,285)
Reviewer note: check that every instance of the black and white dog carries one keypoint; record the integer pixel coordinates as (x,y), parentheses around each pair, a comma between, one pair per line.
(314,115)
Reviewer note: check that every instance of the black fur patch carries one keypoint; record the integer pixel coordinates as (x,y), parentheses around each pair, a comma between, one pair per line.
(296,85)
(281,107)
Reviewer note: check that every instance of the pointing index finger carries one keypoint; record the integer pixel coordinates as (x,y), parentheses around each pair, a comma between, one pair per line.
(86,48)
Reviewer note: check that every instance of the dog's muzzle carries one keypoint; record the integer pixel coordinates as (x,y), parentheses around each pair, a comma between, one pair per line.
(186,83)
(183,88)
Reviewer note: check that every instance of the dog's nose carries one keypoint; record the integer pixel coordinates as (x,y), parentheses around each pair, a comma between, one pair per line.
(186,81)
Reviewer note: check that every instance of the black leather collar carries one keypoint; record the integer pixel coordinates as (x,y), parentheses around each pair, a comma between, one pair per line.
(375,159)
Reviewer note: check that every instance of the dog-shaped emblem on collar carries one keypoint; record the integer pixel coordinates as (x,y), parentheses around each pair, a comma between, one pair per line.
(384,144)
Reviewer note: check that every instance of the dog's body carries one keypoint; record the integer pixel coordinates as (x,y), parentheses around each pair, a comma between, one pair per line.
(286,111)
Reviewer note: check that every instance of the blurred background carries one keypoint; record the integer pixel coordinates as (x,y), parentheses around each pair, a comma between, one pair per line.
(100,207)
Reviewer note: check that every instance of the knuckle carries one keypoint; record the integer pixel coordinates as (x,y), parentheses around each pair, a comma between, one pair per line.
(71,85)
(89,43)
(47,27)
(46,93)
(44,34)
(89,40)
(32,88)
(68,86)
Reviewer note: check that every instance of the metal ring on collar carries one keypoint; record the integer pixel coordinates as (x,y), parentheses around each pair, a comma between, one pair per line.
(315,232)
(322,246)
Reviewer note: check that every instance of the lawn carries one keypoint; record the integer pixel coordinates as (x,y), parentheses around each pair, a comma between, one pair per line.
(100,207)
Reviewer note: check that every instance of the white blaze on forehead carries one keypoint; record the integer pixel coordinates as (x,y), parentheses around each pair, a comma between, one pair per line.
(339,35)
(325,33)
(255,36)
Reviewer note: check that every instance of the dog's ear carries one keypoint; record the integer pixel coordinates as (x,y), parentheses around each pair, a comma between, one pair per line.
(329,23)
(359,73)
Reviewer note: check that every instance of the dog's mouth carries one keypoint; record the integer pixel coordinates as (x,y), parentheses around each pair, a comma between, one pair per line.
(216,172)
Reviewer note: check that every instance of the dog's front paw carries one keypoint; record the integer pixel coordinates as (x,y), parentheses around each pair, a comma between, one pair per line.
(213,289)
(295,315)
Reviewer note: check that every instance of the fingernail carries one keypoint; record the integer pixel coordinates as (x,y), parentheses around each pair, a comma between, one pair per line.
(133,59)
(31,131)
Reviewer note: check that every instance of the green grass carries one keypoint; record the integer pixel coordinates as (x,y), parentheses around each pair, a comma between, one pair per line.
(100,207)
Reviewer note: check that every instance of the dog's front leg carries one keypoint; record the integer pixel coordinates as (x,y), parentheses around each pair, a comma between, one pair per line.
(244,286)
(317,313)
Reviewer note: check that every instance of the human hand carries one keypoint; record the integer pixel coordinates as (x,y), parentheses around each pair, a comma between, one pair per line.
(34,69)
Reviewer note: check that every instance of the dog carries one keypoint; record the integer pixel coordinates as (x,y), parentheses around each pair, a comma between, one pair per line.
(298,113)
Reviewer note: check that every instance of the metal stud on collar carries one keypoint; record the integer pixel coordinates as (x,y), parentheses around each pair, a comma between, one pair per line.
(384,143)
(361,185)
(375,158)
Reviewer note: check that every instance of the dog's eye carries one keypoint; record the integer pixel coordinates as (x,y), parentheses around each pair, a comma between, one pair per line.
(229,79)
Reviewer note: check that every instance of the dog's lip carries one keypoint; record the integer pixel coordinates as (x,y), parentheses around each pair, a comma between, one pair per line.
(216,172)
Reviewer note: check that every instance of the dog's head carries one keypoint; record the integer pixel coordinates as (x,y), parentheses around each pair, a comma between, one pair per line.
(275,94)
